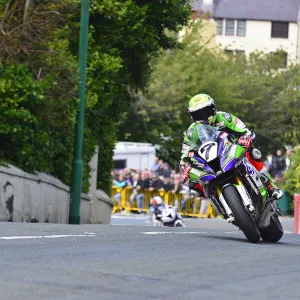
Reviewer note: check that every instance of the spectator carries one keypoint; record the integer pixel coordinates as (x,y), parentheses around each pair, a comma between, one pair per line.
(139,186)
(134,186)
(129,180)
(173,174)
(204,208)
(145,180)
(278,163)
(177,186)
(269,165)
(288,154)
(155,184)
(167,185)
(121,183)
(166,172)
(156,166)
(149,174)
(185,191)
(161,167)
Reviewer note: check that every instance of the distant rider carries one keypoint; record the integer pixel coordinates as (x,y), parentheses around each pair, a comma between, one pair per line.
(157,206)
(202,109)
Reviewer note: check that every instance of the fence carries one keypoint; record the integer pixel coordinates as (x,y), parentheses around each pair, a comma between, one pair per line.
(130,202)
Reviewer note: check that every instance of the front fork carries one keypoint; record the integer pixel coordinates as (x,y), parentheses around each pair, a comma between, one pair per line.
(230,217)
(244,196)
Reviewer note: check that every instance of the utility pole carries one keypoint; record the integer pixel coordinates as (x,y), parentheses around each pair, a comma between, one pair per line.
(76,185)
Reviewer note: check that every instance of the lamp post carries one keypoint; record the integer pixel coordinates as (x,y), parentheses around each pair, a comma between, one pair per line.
(76,185)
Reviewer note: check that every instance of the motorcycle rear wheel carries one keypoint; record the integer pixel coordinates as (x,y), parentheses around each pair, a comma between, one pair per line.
(241,216)
(272,233)
(179,223)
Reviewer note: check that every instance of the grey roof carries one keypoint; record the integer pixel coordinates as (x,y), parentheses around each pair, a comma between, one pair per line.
(201,5)
(196,4)
(272,10)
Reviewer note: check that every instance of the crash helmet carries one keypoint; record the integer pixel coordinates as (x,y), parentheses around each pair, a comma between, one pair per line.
(157,201)
(202,108)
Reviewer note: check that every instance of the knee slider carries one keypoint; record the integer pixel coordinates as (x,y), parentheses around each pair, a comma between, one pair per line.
(255,154)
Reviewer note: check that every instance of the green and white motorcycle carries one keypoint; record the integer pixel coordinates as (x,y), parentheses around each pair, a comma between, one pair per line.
(234,185)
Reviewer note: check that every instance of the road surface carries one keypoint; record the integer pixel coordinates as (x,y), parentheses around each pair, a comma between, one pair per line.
(207,261)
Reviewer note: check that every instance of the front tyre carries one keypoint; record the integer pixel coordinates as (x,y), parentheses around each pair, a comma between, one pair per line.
(241,216)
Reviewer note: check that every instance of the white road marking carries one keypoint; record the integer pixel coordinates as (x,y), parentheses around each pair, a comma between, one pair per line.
(124,217)
(45,236)
(175,232)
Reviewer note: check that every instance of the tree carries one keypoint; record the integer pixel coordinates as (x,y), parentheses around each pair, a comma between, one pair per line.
(243,86)
(179,74)
(39,50)
(125,38)
(38,79)
(291,179)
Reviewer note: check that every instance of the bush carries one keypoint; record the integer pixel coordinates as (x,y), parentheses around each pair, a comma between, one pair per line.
(291,180)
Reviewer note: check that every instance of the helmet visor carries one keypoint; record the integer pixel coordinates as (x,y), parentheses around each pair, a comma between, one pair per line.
(203,114)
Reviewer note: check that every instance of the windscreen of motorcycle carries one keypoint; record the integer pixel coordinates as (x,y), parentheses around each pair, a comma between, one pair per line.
(207,135)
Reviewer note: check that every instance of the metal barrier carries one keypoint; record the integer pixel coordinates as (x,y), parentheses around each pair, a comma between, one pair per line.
(131,200)
(117,204)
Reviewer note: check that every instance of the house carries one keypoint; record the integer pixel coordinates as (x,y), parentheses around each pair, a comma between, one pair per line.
(133,155)
(244,26)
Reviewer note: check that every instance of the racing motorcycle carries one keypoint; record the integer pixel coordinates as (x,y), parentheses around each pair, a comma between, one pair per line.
(233,185)
(166,215)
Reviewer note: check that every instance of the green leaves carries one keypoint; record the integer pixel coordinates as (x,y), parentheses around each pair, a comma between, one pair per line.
(39,77)
(291,180)
(253,89)
(20,130)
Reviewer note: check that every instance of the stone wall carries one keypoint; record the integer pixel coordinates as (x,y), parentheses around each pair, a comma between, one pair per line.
(42,198)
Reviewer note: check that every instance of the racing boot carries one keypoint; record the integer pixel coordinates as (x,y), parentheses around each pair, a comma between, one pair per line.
(274,192)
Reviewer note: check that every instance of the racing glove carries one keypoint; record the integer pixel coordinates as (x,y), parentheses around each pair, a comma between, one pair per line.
(245,141)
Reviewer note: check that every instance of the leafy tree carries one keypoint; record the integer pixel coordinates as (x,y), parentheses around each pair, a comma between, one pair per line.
(38,86)
(291,180)
(125,38)
(39,53)
(161,117)
(255,89)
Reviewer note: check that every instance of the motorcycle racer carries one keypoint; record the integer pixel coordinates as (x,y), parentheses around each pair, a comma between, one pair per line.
(202,109)
(164,214)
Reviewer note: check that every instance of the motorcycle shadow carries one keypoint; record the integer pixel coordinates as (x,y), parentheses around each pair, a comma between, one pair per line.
(226,238)
(242,239)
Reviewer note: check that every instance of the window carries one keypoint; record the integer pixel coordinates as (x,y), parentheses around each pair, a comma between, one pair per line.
(241,28)
(280,30)
(227,51)
(219,26)
(120,163)
(229,30)
(239,52)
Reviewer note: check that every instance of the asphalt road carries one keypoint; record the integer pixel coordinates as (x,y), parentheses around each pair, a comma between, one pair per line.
(51,261)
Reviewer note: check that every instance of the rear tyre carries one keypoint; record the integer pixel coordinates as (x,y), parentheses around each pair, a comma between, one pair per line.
(241,216)
(274,232)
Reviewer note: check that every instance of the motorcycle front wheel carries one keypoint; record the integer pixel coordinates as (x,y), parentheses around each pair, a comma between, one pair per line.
(241,215)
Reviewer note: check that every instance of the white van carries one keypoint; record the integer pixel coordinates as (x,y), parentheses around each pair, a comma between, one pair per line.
(134,155)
